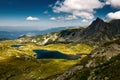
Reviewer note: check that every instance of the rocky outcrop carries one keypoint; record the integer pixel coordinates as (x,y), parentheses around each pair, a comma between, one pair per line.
(40,40)
(101,64)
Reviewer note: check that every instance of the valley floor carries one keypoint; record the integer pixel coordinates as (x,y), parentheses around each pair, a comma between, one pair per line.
(21,63)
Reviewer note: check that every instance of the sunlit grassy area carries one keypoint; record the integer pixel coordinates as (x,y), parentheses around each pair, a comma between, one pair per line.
(20,63)
(30,68)
(69,48)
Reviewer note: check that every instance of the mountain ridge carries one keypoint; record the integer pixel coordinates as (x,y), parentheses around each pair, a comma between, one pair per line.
(16,34)
(97,33)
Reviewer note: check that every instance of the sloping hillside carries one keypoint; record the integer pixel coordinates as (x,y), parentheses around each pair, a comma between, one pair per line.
(101,64)
(22,63)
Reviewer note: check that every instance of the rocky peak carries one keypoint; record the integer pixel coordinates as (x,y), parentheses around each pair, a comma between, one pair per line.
(99,19)
(97,22)
(97,25)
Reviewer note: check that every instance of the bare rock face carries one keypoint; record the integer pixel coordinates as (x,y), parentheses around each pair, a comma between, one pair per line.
(100,32)
(101,64)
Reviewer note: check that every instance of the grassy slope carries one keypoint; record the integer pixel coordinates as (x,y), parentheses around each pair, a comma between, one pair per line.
(100,67)
(20,64)
(69,48)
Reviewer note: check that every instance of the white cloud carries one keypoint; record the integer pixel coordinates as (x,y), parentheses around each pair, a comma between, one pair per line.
(70,17)
(64,18)
(60,18)
(107,3)
(84,20)
(30,18)
(115,15)
(114,3)
(83,14)
(53,19)
(79,8)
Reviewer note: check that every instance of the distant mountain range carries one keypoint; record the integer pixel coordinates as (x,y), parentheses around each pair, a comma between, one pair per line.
(16,34)
(97,33)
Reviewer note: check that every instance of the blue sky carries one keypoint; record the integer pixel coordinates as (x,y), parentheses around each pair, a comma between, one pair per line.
(44,14)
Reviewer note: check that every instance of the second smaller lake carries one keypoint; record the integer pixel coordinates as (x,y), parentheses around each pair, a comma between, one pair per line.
(16,46)
(45,54)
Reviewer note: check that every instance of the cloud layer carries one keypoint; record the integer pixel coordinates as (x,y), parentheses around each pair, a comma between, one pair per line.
(78,8)
(115,15)
(52,18)
(30,18)
(114,3)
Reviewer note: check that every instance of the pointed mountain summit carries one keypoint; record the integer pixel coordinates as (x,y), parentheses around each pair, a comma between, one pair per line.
(96,27)
(98,23)
(98,20)
(101,32)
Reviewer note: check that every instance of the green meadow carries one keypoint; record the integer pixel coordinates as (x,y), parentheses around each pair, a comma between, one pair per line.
(21,64)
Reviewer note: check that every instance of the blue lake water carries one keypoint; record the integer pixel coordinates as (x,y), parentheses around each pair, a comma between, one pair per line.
(45,54)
